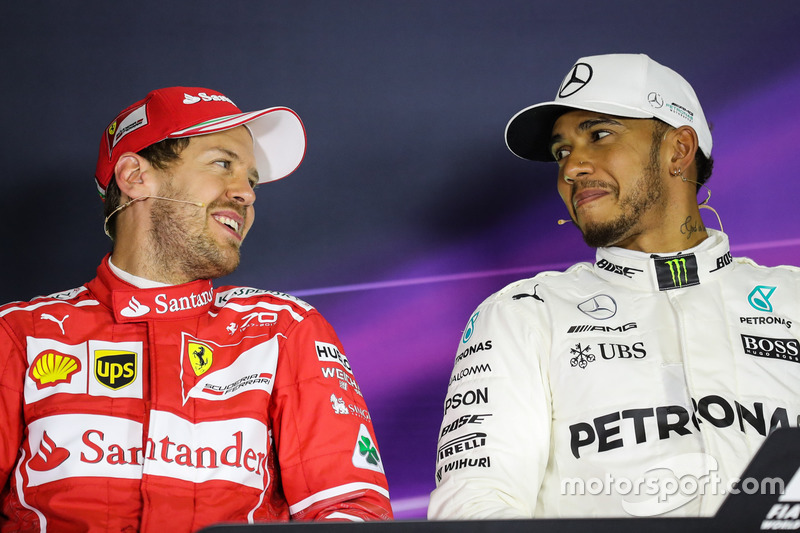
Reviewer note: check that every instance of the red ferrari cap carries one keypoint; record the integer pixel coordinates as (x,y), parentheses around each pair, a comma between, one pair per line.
(279,139)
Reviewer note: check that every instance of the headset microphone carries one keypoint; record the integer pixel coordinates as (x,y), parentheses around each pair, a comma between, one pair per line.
(562,221)
(129,202)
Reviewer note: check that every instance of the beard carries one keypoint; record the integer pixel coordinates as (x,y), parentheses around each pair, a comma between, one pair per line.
(645,193)
(181,243)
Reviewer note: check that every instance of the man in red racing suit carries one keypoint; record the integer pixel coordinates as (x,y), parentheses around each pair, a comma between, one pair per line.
(130,404)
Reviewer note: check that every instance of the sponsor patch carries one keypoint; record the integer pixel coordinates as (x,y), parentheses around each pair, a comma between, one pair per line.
(97,446)
(365,453)
(328,353)
(252,370)
(676,272)
(201,356)
(53,368)
(116,367)
(785,349)
(759,298)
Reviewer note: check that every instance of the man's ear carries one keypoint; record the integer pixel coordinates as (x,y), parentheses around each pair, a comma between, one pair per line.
(134,175)
(684,145)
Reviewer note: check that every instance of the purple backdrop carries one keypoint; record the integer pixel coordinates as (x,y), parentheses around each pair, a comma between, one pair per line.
(408,209)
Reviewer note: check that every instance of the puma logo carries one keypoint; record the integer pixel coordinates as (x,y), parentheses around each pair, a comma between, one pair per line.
(46,316)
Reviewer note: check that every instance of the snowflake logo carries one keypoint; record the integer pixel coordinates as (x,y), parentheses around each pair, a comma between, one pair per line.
(366,449)
(582,356)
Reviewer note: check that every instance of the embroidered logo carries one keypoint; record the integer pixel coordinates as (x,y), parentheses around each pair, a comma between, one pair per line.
(600,307)
(676,272)
(339,406)
(51,368)
(114,369)
(200,356)
(759,298)
(582,356)
(365,454)
(470,328)
(49,455)
(134,309)
(46,316)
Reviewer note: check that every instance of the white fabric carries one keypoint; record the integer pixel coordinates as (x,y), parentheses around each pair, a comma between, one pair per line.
(550,391)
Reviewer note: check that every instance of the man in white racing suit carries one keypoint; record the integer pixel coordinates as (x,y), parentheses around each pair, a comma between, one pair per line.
(642,384)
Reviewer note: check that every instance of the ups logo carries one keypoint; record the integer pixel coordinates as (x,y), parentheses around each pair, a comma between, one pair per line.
(115,369)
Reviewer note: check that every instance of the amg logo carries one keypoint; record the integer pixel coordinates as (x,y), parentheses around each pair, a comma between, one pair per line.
(786,349)
(588,327)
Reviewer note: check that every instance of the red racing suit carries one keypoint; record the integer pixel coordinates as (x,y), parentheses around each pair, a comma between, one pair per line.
(173,408)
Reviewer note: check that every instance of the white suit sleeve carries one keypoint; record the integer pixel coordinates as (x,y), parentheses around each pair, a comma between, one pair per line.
(494,441)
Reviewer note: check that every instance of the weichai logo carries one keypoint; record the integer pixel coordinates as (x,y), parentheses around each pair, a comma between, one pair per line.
(114,369)
(51,368)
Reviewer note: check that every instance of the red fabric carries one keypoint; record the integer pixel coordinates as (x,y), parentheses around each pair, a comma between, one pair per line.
(228,404)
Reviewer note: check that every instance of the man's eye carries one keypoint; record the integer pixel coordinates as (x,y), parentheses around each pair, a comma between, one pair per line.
(599,134)
(560,154)
(224,163)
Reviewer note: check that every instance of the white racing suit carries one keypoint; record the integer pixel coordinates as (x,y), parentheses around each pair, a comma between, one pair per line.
(636,386)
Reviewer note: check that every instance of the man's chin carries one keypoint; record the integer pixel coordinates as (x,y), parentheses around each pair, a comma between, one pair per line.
(602,235)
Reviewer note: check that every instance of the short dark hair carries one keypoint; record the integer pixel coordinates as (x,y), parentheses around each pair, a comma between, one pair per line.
(161,155)
(705,165)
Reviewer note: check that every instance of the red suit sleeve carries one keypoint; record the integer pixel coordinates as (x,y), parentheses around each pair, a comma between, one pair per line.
(328,457)
(12,373)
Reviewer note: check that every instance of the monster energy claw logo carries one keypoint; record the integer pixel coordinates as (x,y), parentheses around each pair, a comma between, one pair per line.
(675,268)
(676,272)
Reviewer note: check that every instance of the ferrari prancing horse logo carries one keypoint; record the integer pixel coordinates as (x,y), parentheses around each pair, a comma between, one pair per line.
(200,356)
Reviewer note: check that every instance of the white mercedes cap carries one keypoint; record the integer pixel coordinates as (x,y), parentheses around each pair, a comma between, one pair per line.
(623,85)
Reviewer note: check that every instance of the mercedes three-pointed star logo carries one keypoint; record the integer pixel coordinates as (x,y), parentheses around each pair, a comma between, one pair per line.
(655,100)
(576,80)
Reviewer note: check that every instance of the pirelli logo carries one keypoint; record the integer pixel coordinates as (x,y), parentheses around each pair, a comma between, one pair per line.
(676,272)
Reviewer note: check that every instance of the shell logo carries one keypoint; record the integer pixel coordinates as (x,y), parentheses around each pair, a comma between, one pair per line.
(51,368)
